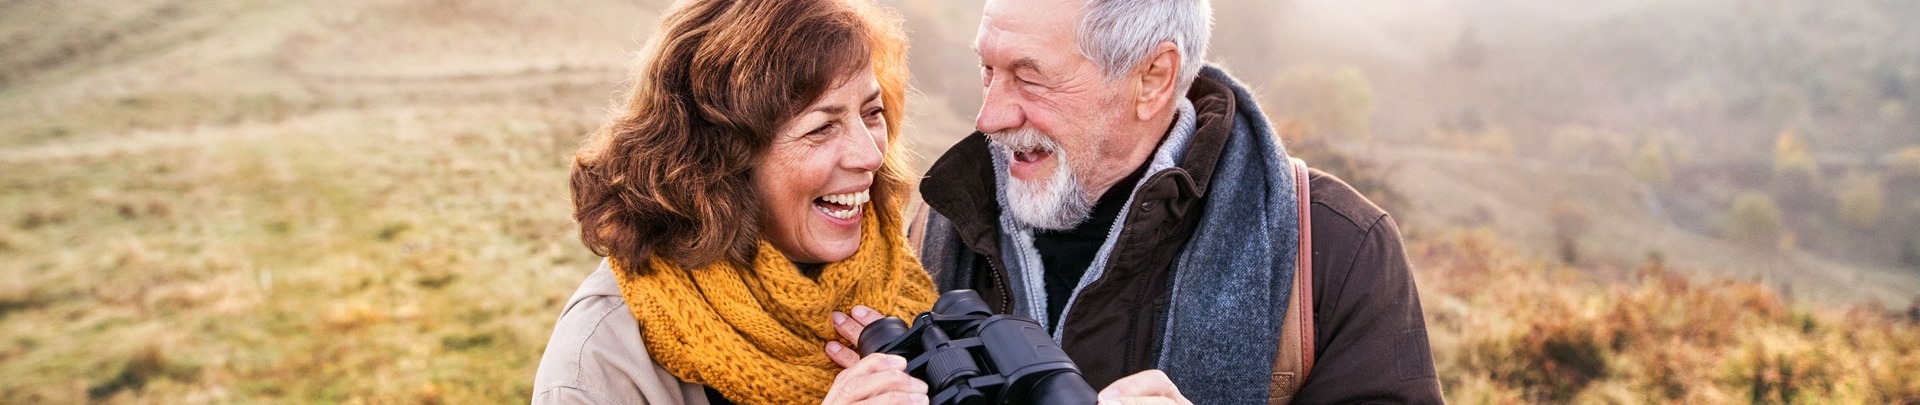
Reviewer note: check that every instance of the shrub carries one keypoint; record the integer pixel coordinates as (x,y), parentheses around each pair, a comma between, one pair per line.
(1794,170)
(1570,221)
(1754,219)
(1862,201)
(1650,165)
(1905,162)
(1506,328)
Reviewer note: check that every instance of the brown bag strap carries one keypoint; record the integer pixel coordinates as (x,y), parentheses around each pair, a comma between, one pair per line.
(1294,359)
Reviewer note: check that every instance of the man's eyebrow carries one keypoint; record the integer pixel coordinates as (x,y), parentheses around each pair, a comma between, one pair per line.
(871,97)
(1028,63)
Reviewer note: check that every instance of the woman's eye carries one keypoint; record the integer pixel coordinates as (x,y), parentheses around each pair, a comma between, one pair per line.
(874,114)
(823,130)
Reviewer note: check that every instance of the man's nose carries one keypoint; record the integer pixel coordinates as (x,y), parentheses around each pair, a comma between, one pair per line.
(998,110)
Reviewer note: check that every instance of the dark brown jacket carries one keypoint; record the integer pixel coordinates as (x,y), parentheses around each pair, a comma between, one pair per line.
(1370,339)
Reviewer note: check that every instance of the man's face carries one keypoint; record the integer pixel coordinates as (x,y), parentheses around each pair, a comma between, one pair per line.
(1054,109)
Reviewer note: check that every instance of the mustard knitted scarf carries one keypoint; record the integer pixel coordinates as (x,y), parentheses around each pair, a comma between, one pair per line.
(757,334)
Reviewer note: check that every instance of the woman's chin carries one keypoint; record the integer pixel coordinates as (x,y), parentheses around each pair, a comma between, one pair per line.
(833,251)
(834,241)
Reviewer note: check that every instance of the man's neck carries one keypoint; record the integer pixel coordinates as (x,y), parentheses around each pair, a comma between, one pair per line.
(1142,156)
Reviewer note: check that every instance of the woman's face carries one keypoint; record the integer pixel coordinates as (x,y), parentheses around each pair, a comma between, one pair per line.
(813,184)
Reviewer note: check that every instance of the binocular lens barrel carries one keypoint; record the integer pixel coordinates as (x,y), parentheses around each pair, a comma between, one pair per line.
(880,333)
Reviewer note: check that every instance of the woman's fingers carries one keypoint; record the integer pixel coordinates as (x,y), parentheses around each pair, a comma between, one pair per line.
(898,398)
(875,378)
(850,325)
(845,354)
(865,315)
(888,374)
(842,355)
(848,328)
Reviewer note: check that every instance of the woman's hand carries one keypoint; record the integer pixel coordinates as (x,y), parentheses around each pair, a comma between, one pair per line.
(877,379)
(849,326)
(1146,387)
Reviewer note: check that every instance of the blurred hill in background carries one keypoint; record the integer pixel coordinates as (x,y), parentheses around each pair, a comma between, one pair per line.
(365,201)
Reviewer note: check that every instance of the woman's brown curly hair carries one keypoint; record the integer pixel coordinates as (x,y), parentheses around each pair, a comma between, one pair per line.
(668,175)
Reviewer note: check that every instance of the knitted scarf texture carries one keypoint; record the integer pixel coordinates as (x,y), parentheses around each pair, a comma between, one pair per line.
(757,334)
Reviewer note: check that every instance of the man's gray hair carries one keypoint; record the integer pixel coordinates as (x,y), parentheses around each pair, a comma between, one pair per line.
(1119,34)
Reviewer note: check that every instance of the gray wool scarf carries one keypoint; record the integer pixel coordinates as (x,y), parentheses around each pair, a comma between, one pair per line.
(1231,285)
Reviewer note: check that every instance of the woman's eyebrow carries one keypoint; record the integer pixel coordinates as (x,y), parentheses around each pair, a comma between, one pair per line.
(829,109)
(840,109)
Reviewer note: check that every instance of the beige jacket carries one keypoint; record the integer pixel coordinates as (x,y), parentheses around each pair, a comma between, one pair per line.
(596,356)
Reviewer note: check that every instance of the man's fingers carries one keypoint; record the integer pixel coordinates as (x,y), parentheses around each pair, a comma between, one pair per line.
(1148,383)
(1138,401)
(1146,387)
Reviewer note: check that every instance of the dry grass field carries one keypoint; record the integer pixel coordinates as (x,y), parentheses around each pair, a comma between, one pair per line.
(252,202)
(364,201)
(1509,328)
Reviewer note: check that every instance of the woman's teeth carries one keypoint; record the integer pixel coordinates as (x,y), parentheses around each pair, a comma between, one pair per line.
(848,198)
(842,214)
(852,202)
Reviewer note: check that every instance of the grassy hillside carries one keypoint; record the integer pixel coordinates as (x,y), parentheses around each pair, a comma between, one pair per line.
(1509,328)
(261,201)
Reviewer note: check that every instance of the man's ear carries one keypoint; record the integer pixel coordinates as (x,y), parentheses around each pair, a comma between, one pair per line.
(1157,78)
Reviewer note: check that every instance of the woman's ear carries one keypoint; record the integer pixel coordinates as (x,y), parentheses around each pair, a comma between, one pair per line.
(1156,80)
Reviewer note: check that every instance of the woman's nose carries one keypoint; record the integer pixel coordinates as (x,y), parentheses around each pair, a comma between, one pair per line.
(862,152)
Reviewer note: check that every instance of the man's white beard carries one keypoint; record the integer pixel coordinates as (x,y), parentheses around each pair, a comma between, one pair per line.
(1055,203)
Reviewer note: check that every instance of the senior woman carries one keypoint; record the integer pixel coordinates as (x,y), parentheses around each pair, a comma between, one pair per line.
(748,189)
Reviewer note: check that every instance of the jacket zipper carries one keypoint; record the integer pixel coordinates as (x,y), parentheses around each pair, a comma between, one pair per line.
(1000,282)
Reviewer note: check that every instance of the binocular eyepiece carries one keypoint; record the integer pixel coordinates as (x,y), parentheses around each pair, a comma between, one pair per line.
(969,355)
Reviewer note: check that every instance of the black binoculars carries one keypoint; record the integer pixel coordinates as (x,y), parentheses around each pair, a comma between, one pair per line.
(969,355)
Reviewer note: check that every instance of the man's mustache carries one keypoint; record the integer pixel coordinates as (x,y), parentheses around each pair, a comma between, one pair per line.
(1024,139)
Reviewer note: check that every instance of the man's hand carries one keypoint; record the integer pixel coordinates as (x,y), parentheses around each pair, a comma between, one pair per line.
(1146,387)
(850,327)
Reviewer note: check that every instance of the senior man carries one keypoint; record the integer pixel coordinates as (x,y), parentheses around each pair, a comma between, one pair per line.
(1137,202)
